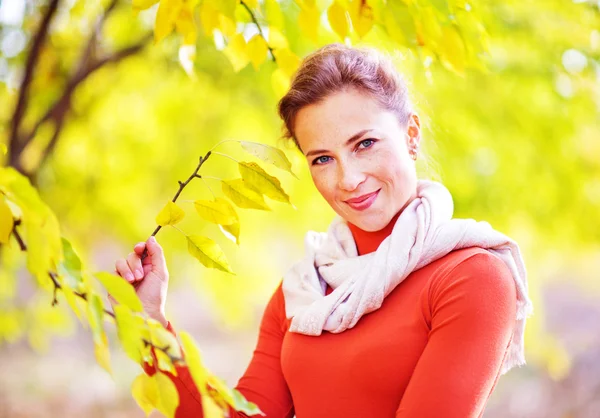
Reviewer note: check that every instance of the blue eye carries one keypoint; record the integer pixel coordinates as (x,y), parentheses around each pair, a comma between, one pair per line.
(369,141)
(319,160)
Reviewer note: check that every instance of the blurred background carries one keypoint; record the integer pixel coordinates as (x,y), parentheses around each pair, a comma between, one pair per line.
(115,120)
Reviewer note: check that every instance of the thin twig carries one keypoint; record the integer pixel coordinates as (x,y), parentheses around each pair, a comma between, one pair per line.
(243,3)
(18,236)
(83,296)
(181,187)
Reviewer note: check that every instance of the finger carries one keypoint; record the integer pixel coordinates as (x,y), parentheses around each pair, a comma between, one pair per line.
(135,264)
(156,256)
(139,248)
(123,270)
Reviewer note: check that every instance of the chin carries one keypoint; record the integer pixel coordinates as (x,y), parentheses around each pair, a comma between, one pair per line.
(373,224)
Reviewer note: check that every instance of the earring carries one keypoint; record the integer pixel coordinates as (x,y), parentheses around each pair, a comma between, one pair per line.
(413,154)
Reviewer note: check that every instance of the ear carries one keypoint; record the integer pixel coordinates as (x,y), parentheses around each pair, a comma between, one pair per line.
(414,131)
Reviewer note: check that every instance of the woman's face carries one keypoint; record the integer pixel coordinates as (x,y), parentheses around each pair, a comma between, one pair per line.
(358,154)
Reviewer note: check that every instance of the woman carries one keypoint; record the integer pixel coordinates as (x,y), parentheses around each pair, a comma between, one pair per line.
(409,313)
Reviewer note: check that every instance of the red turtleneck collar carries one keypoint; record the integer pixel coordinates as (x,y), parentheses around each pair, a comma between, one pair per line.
(366,241)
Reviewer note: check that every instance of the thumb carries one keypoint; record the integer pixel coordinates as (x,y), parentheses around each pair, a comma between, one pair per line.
(157,257)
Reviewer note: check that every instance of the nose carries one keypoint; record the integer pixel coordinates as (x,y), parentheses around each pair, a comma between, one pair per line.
(349,177)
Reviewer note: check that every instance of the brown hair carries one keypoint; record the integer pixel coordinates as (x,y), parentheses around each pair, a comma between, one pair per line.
(336,67)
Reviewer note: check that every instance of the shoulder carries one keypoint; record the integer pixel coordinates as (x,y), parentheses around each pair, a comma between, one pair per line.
(475,274)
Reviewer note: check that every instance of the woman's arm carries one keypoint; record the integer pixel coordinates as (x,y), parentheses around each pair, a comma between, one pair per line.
(262,383)
(473,315)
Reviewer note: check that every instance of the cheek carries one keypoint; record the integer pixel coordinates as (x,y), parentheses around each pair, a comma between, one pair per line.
(323,184)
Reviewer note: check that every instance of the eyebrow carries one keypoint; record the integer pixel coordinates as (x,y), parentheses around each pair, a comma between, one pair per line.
(348,142)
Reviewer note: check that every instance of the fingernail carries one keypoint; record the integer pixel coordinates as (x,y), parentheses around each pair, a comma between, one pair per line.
(129,277)
(139,274)
(152,238)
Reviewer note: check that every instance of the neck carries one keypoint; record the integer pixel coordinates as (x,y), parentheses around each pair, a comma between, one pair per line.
(368,241)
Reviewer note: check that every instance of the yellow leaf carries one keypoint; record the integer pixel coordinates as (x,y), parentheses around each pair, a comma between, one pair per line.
(209,17)
(144,392)
(309,22)
(186,25)
(226,7)
(102,353)
(120,290)
(171,214)
(168,397)
(218,211)
(208,253)
(242,195)
(161,337)
(3,149)
(193,360)
(277,40)
(164,362)
(143,4)
(167,13)
(273,14)
(287,61)
(362,16)
(337,19)
(268,154)
(232,231)
(428,28)
(257,50)
(6,220)
(237,53)
(253,4)
(72,301)
(227,25)
(261,181)
(280,82)
(211,409)
(128,332)
(453,50)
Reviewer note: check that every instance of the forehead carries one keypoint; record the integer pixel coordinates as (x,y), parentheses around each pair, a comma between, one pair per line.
(329,123)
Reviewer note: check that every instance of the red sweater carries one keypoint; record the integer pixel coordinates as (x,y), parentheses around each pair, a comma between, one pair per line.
(433,349)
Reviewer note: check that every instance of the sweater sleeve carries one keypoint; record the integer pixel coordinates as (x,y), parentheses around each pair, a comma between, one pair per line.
(262,383)
(473,311)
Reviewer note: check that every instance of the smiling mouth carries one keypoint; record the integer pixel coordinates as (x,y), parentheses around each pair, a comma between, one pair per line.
(363,202)
(362,198)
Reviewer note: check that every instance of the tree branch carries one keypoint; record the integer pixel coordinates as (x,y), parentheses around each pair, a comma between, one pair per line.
(15,145)
(243,3)
(181,187)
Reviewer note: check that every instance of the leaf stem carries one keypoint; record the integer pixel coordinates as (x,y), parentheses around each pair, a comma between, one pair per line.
(225,155)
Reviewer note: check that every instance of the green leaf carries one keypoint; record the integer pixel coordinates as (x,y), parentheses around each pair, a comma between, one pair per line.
(171,214)
(257,178)
(218,211)
(121,290)
(241,404)
(71,264)
(95,314)
(208,253)
(268,154)
(242,195)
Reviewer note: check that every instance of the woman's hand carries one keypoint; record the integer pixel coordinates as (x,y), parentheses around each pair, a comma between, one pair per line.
(149,277)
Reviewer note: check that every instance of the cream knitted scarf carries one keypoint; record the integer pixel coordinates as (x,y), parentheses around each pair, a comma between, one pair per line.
(424,232)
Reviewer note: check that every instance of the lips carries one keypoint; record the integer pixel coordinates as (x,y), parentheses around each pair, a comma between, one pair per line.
(363,202)
(362,198)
